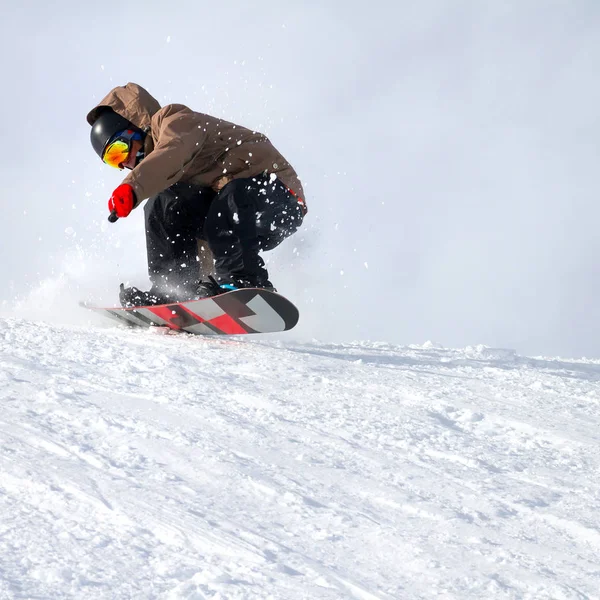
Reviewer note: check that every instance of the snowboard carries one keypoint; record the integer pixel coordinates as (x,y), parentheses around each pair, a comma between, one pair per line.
(239,312)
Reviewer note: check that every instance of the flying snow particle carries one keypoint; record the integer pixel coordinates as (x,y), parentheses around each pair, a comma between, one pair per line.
(168,39)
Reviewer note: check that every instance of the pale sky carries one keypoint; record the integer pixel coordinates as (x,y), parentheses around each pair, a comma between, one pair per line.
(449,151)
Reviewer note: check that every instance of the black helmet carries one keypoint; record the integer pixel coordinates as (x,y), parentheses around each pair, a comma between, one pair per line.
(105,127)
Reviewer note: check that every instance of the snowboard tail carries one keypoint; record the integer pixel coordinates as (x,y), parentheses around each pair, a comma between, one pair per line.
(238,312)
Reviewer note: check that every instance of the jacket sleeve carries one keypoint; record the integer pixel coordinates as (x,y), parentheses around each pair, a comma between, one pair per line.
(178,139)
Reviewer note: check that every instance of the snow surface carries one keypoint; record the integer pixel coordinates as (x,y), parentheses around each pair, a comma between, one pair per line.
(136,464)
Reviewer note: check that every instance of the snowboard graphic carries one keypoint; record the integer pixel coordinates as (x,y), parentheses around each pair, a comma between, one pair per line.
(248,310)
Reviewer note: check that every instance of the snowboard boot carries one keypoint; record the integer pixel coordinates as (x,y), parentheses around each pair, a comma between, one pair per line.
(132,296)
(214,287)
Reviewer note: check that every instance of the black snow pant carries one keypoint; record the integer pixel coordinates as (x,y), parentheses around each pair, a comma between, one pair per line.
(175,221)
(247,216)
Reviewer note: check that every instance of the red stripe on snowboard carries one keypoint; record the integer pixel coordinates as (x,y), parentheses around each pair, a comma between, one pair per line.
(227,324)
(176,316)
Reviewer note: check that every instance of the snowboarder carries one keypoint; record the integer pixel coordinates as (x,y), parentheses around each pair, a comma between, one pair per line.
(206,180)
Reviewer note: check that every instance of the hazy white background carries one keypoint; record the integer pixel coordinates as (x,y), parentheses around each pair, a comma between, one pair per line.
(449,150)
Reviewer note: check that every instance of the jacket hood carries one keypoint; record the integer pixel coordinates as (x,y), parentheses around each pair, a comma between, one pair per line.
(132,102)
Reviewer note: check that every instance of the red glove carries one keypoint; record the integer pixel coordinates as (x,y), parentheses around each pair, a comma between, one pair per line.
(122,200)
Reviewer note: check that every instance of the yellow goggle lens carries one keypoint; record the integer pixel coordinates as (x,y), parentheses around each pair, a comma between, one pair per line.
(116,154)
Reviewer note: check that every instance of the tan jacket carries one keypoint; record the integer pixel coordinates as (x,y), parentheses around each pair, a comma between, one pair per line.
(184,145)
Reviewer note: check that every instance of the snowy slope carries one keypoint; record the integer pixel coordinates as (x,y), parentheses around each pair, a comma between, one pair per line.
(135,464)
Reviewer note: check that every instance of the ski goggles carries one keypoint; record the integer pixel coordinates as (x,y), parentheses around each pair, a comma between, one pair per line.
(118,149)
